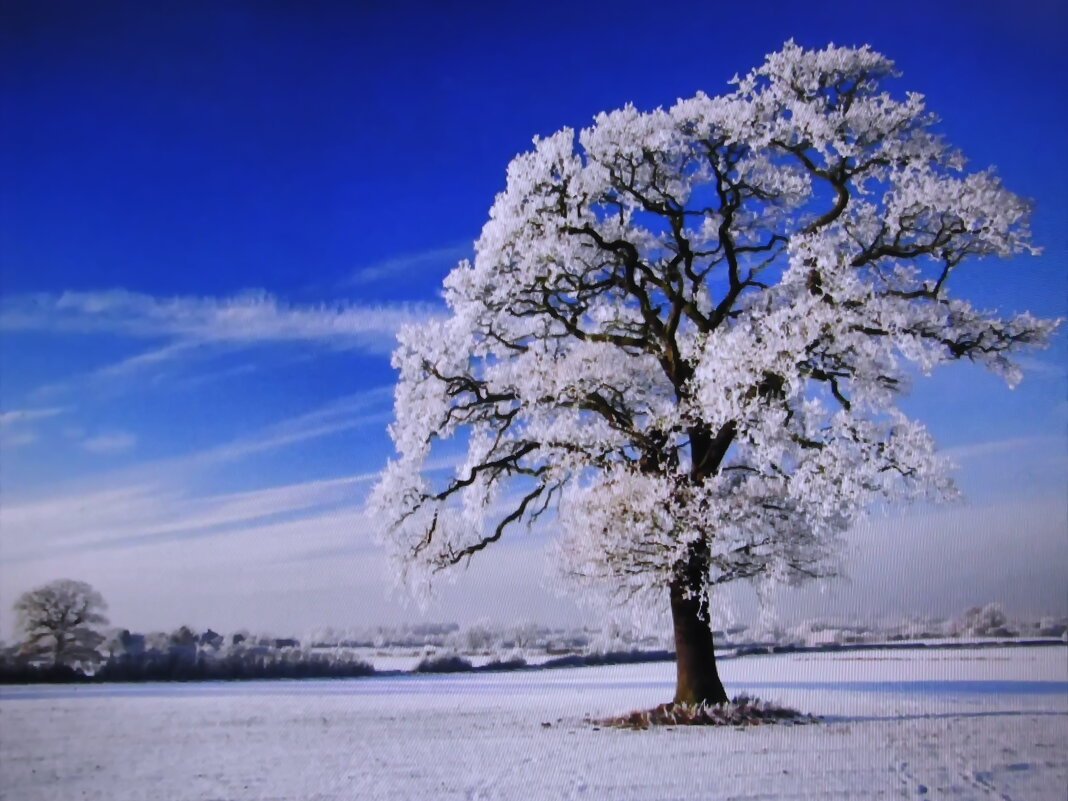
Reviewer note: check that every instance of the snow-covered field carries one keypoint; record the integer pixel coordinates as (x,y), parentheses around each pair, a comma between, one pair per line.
(984,723)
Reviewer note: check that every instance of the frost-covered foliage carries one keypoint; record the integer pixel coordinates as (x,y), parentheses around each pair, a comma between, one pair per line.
(406,635)
(985,621)
(687,334)
(479,638)
(989,621)
(740,711)
(446,663)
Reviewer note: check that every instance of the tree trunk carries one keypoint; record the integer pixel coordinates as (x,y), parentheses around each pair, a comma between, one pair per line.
(697,680)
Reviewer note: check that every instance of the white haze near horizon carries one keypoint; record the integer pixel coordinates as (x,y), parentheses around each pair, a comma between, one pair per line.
(1006,542)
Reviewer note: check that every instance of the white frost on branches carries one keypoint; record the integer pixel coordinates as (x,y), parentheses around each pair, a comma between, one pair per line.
(687,335)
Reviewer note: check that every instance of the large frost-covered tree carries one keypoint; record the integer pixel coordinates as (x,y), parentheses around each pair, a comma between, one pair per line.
(687,336)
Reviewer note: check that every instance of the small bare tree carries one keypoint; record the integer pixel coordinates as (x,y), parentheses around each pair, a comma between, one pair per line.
(58,622)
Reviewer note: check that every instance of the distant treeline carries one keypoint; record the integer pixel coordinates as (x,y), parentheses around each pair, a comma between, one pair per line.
(172,667)
(981,622)
(184,656)
(180,667)
(452,663)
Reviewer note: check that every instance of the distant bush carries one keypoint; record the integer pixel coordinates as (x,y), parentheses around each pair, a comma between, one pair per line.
(752,650)
(181,665)
(500,665)
(985,621)
(444,664)
(610,658)
(25,673)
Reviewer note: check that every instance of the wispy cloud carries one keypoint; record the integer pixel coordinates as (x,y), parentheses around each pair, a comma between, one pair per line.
(978,450)
(185,323)
(343,414)
(14,417)
(159,501)
(17,425)
(216,375)
(143,514)
(17,439)
(369,407)
(147,358)
(1036,366)
(400,267)
(111,442)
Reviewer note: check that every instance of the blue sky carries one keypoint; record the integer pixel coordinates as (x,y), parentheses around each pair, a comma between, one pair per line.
(214,216)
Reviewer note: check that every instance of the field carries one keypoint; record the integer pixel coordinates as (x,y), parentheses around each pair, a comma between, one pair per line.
(982,723)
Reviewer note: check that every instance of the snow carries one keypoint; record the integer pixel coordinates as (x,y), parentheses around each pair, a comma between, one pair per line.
(969,723)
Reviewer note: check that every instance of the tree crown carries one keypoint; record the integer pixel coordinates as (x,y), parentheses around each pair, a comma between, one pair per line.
(688,334)
(59,619)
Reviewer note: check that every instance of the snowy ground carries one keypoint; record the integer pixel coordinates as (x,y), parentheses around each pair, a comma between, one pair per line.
(989,723)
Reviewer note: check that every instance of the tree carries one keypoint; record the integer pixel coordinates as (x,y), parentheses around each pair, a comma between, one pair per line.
(59,620)
(688,337)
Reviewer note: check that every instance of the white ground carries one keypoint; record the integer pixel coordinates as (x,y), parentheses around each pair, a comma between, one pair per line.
(481,736)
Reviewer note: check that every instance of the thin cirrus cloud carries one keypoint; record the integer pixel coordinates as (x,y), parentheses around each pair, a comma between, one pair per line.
(15,417)
(370,406)
(365,408)
(146,514)
(986,448)
(402,266)
(17,426)
(154,501)
(185,322)
(111,442)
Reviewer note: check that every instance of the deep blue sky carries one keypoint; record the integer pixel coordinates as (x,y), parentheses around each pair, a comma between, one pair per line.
(191,147)
(347,153)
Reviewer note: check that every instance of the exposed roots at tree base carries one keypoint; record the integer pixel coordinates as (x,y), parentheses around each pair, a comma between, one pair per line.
(741,711)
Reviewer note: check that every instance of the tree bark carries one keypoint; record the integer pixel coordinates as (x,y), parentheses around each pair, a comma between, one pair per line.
(697,679)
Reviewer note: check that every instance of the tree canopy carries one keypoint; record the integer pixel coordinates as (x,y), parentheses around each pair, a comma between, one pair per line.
(687,334)
(59,622)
